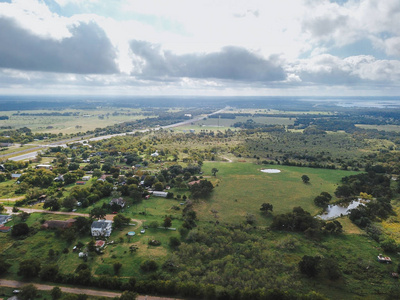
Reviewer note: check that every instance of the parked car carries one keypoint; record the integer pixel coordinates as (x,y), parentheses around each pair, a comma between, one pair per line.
(142,231)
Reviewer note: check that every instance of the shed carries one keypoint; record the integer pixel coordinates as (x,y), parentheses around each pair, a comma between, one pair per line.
(160,194)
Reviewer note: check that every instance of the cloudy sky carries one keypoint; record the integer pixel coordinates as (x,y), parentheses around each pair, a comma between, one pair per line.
(207,47)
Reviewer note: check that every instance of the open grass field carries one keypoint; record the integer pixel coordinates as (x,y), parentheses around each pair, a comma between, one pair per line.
(229,122)
(241,188)
(84,120)
(394,128)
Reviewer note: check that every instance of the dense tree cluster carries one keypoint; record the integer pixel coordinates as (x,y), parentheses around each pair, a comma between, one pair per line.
(202,189)
(378,185)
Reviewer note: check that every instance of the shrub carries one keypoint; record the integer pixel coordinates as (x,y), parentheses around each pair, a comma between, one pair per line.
(154,243)
(149,266)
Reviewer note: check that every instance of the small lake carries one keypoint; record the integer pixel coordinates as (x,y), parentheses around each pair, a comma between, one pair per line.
(334,211)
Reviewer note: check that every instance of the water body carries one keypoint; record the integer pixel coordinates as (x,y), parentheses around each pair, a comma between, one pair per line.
(271,171)
(334,211)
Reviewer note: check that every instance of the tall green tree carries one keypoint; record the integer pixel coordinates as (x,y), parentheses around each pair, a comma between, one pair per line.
(29,268)
(97,213)
(28,292)
(56,293)
(214,171)
(305,179)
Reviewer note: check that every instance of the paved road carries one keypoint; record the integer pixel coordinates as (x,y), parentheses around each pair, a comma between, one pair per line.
(89,292)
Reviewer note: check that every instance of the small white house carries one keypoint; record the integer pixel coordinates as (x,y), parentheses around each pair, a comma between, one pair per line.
(155,154)
(160,194)
(101,228)
(86,178)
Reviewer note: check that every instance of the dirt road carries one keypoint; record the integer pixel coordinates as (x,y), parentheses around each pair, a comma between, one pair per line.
(98,293)
(34,210)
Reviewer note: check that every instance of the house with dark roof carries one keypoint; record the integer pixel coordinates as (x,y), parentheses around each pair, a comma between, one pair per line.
(101,228)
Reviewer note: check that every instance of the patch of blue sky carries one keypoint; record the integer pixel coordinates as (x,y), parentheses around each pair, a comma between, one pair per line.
(339,1)
(361,47)
(113,11)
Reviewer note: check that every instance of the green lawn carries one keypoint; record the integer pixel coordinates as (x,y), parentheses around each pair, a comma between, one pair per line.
(241,188)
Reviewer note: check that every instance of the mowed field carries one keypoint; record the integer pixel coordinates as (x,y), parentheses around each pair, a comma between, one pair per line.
(241,188)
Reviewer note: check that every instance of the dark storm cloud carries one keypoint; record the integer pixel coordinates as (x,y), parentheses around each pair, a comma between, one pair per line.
(87,51)
(231,63)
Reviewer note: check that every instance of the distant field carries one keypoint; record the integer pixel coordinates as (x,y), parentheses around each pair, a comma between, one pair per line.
(230,122)
(274,111)
(395,128)
(216,124)
(241,188)
(84,121)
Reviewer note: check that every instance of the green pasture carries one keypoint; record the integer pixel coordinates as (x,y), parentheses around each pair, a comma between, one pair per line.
(395,128)
(229,122)
(274,111)
(241,188)
(7,190)
(86,120)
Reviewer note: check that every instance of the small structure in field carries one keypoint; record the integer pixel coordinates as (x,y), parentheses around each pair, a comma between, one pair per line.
(80,183)
(86,178)
(160,194)
(15,176)
(384,259)
(99,244)
(4,228)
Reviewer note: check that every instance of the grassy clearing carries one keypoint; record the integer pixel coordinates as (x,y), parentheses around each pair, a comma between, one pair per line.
(241,188)
(395,128)
(84,120)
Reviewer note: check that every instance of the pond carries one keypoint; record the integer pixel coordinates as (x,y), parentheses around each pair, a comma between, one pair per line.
(271,171)
(334,211)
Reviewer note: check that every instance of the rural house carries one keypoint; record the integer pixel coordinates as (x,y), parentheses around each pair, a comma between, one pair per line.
(101,228)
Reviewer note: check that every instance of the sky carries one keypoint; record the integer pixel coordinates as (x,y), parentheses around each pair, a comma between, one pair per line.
(207,47)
